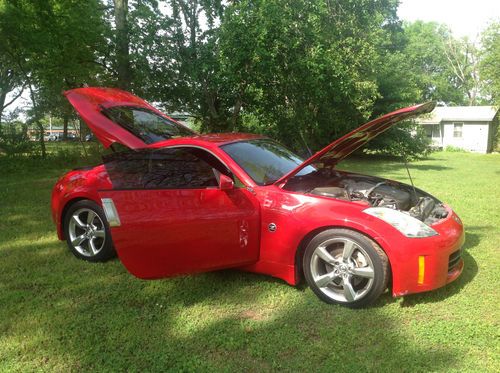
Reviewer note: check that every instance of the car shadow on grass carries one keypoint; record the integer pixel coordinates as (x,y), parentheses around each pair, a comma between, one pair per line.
(426,167)
(389,165)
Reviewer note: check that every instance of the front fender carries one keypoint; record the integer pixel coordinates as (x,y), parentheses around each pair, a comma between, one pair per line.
(299,217)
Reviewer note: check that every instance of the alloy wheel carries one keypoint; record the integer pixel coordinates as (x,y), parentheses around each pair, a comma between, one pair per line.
(86,232)
(342,270)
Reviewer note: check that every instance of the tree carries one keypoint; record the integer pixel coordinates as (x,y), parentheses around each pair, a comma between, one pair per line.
(301,67)
(490,62)
(122,40)
(426,54)
(398,81)
(9,82)
(463,59)
(198,85)
(304,72)
(444,68)
(52,46)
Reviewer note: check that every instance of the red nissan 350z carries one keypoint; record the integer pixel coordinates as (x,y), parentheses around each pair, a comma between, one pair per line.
(176,202)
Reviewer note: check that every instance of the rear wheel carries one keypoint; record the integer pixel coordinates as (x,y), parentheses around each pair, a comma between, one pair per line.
(87,232)
(345,267)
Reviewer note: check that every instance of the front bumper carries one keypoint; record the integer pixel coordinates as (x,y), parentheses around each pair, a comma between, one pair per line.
(431,262)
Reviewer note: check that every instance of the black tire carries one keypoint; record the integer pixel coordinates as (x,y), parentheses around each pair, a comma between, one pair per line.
(99,225)
(351,284)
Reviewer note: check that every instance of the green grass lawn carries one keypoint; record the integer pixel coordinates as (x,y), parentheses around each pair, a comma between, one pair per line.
(58,313)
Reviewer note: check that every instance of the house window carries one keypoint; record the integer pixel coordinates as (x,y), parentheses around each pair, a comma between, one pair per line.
(436,131)
(433,131)
(457,130)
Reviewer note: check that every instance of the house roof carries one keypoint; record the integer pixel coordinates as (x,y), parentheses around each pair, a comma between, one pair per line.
(459,113)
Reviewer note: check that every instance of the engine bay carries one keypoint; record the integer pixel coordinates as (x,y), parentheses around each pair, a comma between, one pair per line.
(377,192)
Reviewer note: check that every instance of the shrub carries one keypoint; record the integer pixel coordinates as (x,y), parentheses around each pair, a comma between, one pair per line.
(14,139)
(455,149)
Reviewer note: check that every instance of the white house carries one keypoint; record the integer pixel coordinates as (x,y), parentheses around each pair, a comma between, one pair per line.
(467,127)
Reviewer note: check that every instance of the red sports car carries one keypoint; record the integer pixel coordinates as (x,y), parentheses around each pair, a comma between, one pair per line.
(177,202)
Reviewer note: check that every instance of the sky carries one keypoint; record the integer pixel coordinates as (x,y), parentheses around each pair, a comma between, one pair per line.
(463,17)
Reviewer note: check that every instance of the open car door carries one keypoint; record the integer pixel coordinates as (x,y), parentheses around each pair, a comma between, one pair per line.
(171,212)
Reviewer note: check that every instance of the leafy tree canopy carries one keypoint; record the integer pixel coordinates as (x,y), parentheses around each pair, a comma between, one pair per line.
(304,72)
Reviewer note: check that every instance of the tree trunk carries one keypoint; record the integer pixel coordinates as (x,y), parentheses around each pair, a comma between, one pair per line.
(122,44)
(41,138)
(2,102)
(236,113)
(65,125)
(4,89)
(37,120)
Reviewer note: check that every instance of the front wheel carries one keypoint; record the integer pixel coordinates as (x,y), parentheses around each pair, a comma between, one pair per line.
(87,232)
(345,267)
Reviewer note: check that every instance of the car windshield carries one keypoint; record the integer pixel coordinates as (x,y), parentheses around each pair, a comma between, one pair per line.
(264,160)
(145,124)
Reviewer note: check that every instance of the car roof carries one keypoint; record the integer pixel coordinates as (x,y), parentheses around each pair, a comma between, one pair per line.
(216,139)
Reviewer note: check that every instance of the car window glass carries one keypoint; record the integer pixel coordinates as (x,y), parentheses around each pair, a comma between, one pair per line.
(264,160)
(145,124)
(126,169)
(169,168)
(178,168)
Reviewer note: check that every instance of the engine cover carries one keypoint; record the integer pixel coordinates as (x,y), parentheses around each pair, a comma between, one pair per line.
(380,194)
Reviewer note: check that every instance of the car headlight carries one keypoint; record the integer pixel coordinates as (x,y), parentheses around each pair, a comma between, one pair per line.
(404,223)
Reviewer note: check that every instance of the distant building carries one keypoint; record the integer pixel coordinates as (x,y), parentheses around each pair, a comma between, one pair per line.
(471,128)
(53,133)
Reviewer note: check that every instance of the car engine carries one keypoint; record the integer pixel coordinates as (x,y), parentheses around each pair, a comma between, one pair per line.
(375,191)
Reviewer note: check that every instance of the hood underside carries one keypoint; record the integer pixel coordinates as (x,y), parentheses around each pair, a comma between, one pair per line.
(347,144)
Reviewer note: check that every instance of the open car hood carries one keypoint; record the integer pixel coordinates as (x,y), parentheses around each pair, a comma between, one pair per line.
(347,144)
(90,103)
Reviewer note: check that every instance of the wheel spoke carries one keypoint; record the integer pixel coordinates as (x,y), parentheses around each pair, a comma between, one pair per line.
(325,255)
(77,241)
(325,279)
(99,233)
(78,222)
(348,250)
(92,246)
(349,292)
(362,272)
(91,216)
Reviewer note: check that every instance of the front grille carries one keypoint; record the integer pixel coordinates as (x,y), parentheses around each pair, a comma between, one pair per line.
(454,259)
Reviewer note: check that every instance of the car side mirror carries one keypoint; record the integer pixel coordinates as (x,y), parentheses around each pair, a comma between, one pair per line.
(225,182)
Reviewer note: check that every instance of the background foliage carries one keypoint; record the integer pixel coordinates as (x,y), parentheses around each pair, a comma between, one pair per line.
(304,72)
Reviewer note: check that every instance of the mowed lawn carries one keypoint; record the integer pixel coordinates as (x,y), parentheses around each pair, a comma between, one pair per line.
(58,313)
